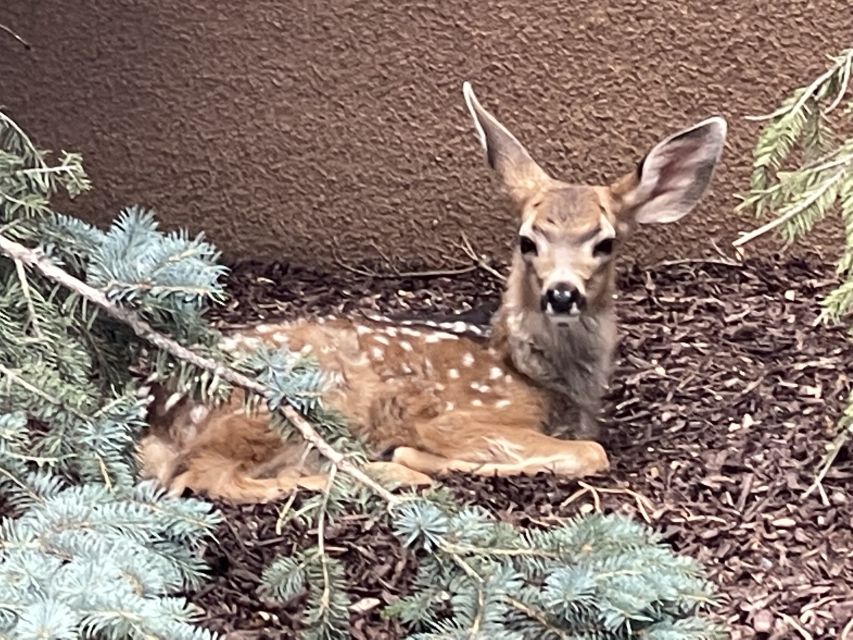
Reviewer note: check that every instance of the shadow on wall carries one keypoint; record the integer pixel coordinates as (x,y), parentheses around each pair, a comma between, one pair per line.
(297,130)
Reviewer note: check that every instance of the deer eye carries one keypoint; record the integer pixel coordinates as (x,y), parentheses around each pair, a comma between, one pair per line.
(603,248)
(527,246)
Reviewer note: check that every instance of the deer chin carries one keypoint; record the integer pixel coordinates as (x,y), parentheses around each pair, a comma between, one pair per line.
(563,319)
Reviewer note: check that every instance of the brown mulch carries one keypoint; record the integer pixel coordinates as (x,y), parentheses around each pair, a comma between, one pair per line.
(723,402)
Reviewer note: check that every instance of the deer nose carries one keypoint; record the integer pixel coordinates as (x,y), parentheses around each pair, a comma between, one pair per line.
(561,298)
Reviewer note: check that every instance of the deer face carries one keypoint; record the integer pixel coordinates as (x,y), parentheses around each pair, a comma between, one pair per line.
(566,242)
(569,234)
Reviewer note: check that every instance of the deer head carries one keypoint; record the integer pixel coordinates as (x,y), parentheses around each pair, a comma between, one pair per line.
(569,234)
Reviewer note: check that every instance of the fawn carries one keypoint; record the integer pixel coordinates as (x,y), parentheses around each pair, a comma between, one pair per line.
(430,399)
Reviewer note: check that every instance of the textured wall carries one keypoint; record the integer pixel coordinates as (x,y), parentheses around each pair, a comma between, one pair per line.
(284,129)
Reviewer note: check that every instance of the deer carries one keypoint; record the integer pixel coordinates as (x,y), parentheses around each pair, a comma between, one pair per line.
(430,399)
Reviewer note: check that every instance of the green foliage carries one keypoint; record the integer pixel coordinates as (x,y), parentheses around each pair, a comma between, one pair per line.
(86,550)
(326,614)
(296,379)
(822,179)
(598,577)
(802,196)
(86,560)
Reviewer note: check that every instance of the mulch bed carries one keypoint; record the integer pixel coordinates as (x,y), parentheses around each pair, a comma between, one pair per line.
(723,402)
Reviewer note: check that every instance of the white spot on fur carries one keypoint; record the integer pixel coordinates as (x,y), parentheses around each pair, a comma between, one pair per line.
(439,336)
(453,374)
(495,373)
(449,406)
(439,386)
(414,333)
(406,346)
(363,330)
(198,413)
(306,350)
(430,323)
(280,337)
(382,340)
(502,404)
(391,331)
(476,402)
(508,379)
(468,360)
(321,321)
(265,328)
(377,353)
(405,368)
(228,344)
(484,388)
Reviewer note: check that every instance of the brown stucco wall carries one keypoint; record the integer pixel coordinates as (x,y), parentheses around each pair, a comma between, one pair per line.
(283,129)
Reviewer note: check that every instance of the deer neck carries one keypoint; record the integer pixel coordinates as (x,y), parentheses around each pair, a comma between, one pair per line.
(571,360)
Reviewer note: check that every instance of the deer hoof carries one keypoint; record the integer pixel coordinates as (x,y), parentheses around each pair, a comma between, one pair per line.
(595,458)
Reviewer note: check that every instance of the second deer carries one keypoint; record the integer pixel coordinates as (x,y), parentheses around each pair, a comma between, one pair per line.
(431,399)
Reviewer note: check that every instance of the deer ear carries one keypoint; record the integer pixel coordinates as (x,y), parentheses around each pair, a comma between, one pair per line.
(673,176)
(521,176)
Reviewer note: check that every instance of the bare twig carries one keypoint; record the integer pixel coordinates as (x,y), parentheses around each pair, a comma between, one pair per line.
(643,503)
(32,258)
(393,274)
(282,515)
(325,598)
(829,460)
(719,261)
(479,261)
(26,44)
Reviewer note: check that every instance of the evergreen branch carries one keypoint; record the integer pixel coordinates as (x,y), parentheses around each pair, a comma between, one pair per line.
(839,62)
(144,330)
(539,616)
(23,137)
(792,212)
(455,548)
(325,597)
(25,289)
(21,485)
(846,62)
(15,378)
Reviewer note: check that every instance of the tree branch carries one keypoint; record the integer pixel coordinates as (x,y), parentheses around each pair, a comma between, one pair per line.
(17,251)
(794,211)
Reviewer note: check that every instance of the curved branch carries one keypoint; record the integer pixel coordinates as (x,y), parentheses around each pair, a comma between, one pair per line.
(17,251)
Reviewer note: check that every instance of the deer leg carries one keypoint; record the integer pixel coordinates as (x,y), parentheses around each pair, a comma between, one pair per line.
(398,474)
(504,451)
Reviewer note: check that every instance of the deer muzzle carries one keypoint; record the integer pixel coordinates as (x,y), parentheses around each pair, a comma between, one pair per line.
(563,300)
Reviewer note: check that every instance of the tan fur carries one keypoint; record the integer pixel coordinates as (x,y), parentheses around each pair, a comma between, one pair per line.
(448,400)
